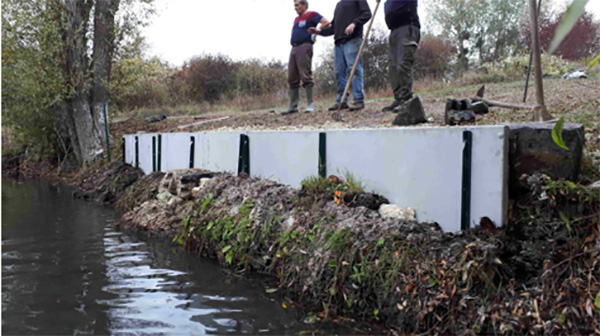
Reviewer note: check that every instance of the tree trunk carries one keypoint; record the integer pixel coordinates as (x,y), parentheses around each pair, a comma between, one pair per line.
(540,113)
(104,37)
(84,117)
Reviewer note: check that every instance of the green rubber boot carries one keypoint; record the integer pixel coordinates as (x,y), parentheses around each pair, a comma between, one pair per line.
(310,107)
(294,98)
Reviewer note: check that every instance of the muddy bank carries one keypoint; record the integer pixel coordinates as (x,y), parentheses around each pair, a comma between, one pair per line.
(539,274)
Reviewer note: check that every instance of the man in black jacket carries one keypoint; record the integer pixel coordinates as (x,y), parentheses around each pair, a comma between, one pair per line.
(402,19)
(347,28)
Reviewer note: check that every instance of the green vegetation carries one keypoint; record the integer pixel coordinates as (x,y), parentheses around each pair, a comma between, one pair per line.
(332,188)
(56,68)
(411,276)
(201,85)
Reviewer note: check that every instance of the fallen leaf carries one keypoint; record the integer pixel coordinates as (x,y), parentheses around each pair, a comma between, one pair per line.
(589,308)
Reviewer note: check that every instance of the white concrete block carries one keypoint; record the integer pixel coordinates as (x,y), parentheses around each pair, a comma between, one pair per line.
(421,168)
(145,154)
(489,174)
(394,211)
(217,151)
(130,149)
(175,151)
(285,157)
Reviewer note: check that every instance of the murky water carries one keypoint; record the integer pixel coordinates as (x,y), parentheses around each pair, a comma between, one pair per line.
(67,270)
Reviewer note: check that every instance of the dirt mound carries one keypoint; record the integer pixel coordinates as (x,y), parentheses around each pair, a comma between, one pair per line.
(540,273)
(144,189)
(108,185)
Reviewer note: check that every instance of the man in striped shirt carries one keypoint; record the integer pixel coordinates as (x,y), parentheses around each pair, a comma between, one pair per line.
(300,63)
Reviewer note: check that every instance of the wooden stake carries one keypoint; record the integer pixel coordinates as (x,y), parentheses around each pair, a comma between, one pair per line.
(495,103)
(539,7)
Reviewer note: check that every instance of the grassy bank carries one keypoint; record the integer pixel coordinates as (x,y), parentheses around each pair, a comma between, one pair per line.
(539,274)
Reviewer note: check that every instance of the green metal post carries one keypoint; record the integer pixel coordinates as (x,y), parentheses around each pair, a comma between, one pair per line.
(106,132)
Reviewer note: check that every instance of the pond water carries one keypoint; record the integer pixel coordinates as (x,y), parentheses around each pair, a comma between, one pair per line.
(67,270)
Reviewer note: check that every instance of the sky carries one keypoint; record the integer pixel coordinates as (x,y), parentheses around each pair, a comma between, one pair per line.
(241,29)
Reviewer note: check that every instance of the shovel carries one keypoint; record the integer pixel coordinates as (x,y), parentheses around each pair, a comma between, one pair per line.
(337,115)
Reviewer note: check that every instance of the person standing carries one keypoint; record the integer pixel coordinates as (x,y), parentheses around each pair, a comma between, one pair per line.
(402,19)
(347,29)
(300,63)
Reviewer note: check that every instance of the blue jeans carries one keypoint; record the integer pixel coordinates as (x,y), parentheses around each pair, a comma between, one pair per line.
(345,56)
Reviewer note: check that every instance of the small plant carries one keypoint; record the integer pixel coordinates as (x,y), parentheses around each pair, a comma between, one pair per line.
(355,186)
(333,187)
(316,185)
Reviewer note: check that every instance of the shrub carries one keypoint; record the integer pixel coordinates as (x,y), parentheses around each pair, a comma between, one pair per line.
(139,83)
(255,77)
(434,57)
(207,78)
(583,40)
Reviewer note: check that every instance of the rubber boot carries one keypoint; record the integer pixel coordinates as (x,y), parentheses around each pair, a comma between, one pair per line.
(294,98)
(310,107)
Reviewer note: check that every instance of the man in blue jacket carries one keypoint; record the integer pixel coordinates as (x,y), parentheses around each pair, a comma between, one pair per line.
(300,63)
(402,19)
(347,29)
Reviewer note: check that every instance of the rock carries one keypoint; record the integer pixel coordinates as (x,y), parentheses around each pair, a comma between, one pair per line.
(186,192)
(181,182)
(410,113)
(531,149)
(480,108)
(194,178)
(393,211)
(204,182)
(164,196)
(454,117)
(156,118)
(368,200)
(174,202)
(196,192)
(289,223)
(234,210)
(173,186)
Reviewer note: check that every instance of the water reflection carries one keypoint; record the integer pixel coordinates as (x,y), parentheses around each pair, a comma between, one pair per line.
(67,270)
(149,299)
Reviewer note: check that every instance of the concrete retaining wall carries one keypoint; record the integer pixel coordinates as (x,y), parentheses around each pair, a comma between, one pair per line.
(286,157)
(440,172)
(217,151)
